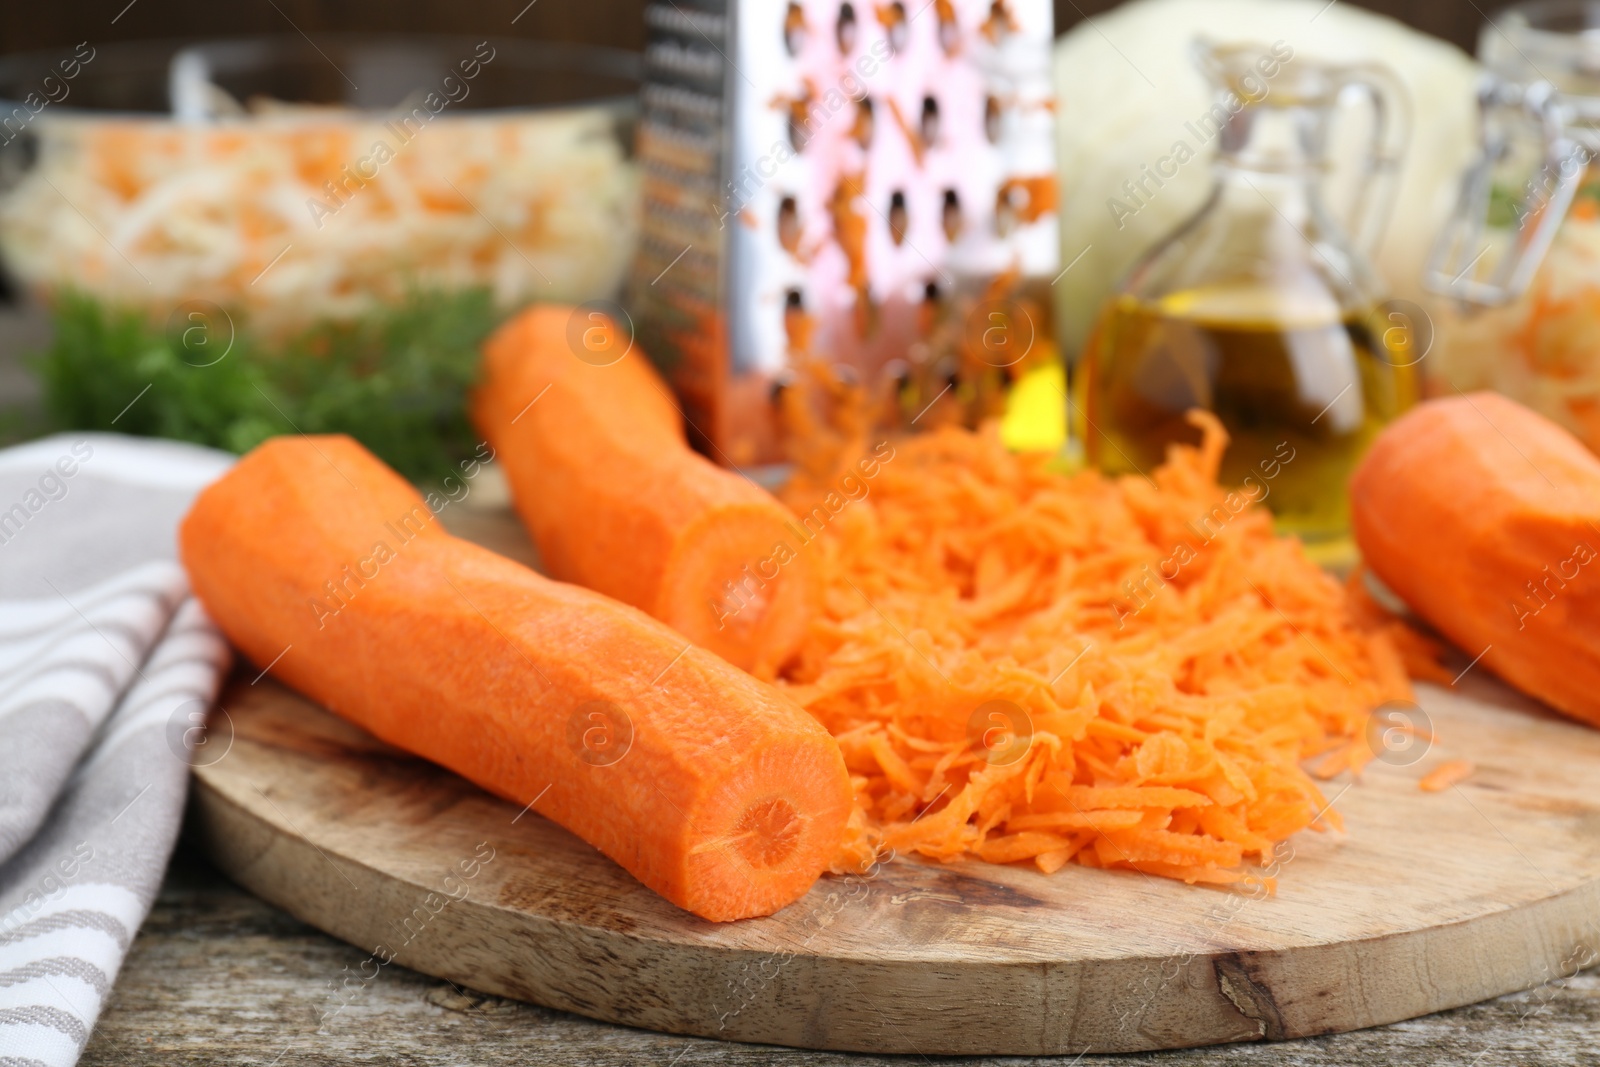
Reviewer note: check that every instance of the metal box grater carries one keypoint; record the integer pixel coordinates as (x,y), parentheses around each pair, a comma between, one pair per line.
(866,185)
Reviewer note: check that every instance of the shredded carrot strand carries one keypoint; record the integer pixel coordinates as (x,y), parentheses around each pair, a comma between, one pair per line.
(1025,665)
(1447,774)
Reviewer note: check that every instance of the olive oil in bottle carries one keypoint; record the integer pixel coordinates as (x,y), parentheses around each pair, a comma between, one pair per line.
(1301,385)
(1262,307)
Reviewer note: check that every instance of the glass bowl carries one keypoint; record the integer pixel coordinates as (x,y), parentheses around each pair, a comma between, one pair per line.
(291,182)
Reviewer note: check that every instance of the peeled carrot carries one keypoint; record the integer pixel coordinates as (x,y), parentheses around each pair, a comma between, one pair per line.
(1484,517)
(710,787)
(616,500)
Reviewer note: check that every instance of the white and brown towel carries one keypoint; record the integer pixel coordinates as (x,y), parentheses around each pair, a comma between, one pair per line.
(107,665)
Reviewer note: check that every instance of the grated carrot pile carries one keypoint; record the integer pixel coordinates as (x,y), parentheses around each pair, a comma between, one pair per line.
(1022,665)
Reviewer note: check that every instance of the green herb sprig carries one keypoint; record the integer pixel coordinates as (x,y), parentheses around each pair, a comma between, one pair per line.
(395,380)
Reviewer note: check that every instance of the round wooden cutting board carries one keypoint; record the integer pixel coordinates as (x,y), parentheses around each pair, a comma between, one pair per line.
(1426,902)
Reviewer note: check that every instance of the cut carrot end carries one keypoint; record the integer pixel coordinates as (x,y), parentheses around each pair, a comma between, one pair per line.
(772,821)
(769,832)
(739,585)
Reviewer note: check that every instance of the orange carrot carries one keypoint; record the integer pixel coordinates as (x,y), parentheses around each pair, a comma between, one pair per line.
(1026,666)
(616,500)
(705,784)
(1484,517)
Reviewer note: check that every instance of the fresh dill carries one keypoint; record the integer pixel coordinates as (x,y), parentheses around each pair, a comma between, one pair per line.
(396,380)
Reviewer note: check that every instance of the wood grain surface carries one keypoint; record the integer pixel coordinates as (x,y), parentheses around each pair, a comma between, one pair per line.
(1429,901)
(218,977)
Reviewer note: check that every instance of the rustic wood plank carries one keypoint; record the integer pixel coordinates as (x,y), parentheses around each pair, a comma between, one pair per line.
(219,977)
(1430,901)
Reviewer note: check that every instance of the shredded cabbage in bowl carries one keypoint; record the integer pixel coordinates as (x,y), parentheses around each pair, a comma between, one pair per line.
(1541,348)
(294,214)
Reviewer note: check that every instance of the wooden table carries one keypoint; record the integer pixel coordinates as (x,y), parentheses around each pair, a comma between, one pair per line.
(219,977)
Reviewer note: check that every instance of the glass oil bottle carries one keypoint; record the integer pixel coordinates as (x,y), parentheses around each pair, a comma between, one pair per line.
(1260,308)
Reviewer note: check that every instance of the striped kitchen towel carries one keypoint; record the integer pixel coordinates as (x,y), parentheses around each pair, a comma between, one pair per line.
(107,666)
